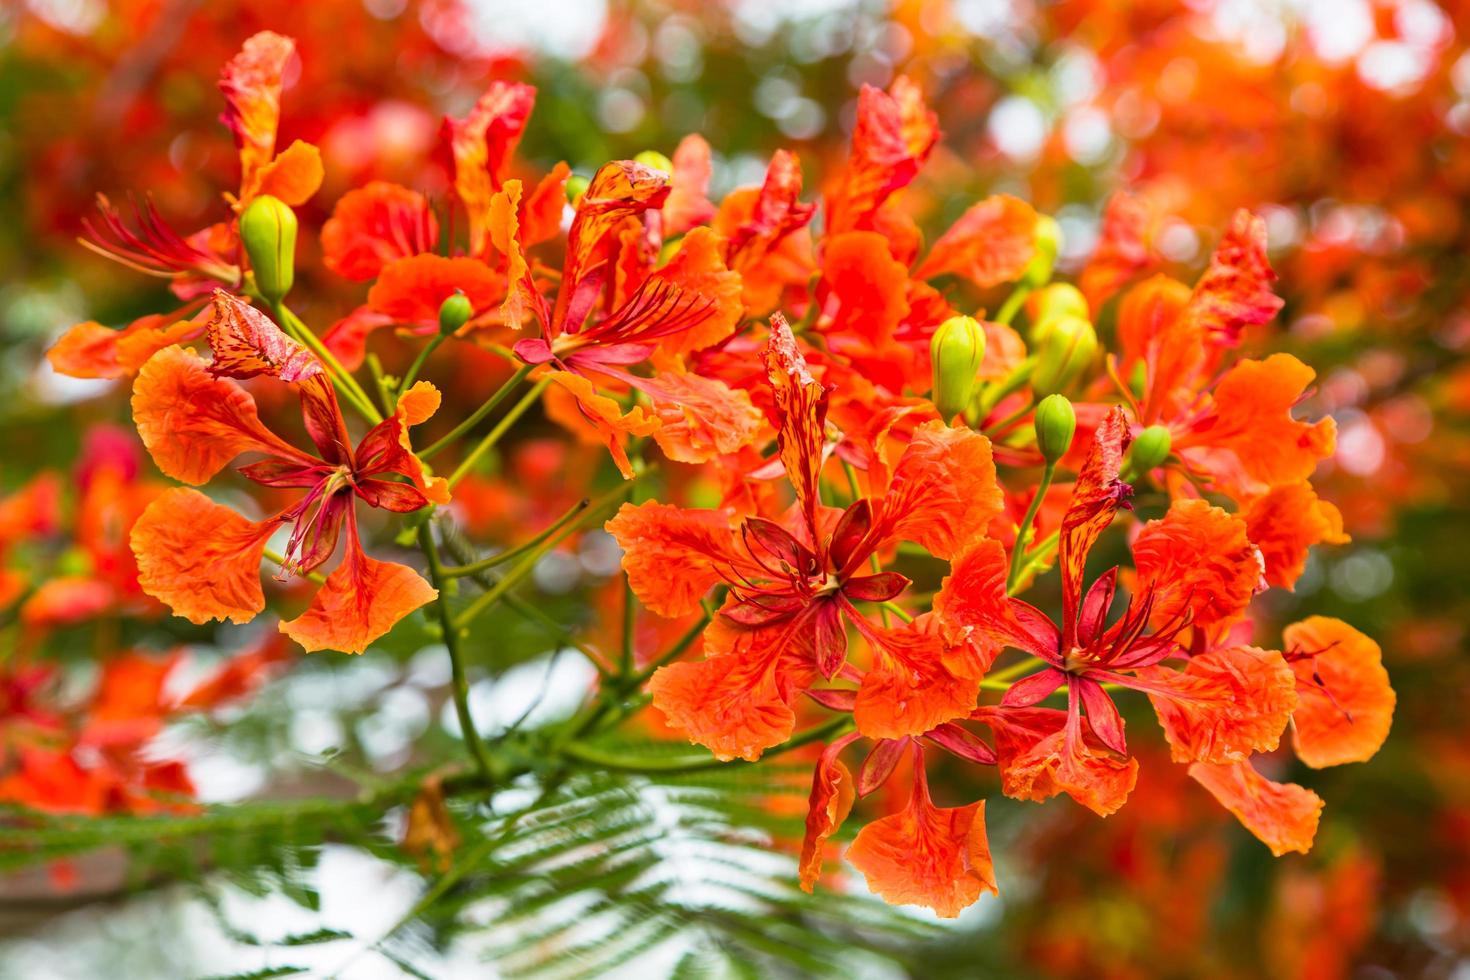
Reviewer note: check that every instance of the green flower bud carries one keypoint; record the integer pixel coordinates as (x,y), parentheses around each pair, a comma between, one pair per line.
(1149,450)
(1066,350)
(1138,380)
(1048,243)
(454,313)
(268,232)
(576,186)
(656,160)
(956,351)
(1056,424)
(1050,302)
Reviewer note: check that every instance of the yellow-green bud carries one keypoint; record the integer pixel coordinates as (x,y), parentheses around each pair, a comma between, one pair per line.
(1048,244)
(268,232)
(1050,302)
(1150,449)
(1138,380)
(454,313)
(956,351)
(1056,424)
(576,186)
(1067,348)
(656,160)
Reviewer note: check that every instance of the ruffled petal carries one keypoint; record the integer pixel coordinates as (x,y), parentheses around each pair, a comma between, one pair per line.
(1037,759)
(1122,249)
(702,418)
(251,84)
(674,556)
(991,243)
(1283,816)
(1345,704)
(618,190)
(361,601)
(1199,559)
(606,417)
(1284,523)
(937,857)
(944,492)
(193,424)
(688,203)
(1096,497)
(972,599)
(919,679)
(801,408)
(247,344)
(374,225)
(1235,291)
(91,350)
(199,558)
(521,297)
(411,290)
(1225,705)
(386,447)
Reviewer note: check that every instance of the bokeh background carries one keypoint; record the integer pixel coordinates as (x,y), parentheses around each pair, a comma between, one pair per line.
(1343,122)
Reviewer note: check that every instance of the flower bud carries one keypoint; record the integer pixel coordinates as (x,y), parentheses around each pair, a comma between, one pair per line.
(1048,243)
(1066,349)
(1050,302)
(268,232)
(454,313)
(1056,423)
(656,160)
(1150,449)
(956,351)
(576,186)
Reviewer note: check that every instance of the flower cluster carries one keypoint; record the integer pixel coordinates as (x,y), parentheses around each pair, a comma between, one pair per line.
(890,468)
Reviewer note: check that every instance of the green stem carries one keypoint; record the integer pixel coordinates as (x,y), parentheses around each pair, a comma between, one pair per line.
(345,382)
(501,428)
(380,381)
(894,608)
(998,428)
(485,564)
(529,612)
(1024,529)
(456,661)
(418,363)
(1012,305)
(611,760)
(485,409)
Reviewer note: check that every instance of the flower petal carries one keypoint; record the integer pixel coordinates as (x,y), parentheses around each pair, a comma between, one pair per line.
(894,133)
(944,493)
(247,344)
(1345,704)
(1284,524)
(919,680)
(1038,760)
(1096,497)
(866,283)
(1225,705)
(688,204)
(674,556)
(702,418)
(251,83)
(374,225)
(193,423)
(801,407)
(973,598)
(829,804)
(200,558)
(1235,291)
(1198,559)
(1283,816)
(482,144)
(991,243)
(606,417)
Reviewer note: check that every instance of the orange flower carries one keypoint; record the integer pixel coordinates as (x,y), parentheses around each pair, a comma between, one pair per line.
(1283,815)
(203,559)
(372,226)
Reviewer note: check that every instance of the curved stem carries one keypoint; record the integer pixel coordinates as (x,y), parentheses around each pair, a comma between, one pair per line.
(474,418)
(501,558)
(1023,530)
(611,760)
(418,363)
(501,428)
(344,380)
(1012,304)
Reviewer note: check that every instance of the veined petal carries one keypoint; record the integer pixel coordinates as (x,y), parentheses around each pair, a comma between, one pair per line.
(867,284)
(607,418)
(247,344)
(1285,522)
(1344,701)
(193,423)
(937,857)
(1235,291)
(361,601)
(1096,497)
(919,679)
(674,556)
(91,350)
(411,290)
(973,598)
(698,268)
(688,204)
(618,190)
(944,492)
(200,558)
(894,133)
(1283,816)
(701,418)
(374,225)
(991,243)
(1197,559)
(386,447)
(293,176)
(1225,705)
(801,407)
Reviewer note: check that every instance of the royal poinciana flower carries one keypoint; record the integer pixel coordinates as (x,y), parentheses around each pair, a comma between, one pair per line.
(196,264)
(797,583)
(203,559)
(1196,573)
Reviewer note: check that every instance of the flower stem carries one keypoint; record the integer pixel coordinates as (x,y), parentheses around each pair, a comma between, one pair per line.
(501,428)
(344,380)
(418,363)
(501,558)
(456,661)
(485,409)
(1012,304)
(1024,529)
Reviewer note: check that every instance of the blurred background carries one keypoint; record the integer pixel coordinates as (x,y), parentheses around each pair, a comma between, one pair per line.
(1342,122)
